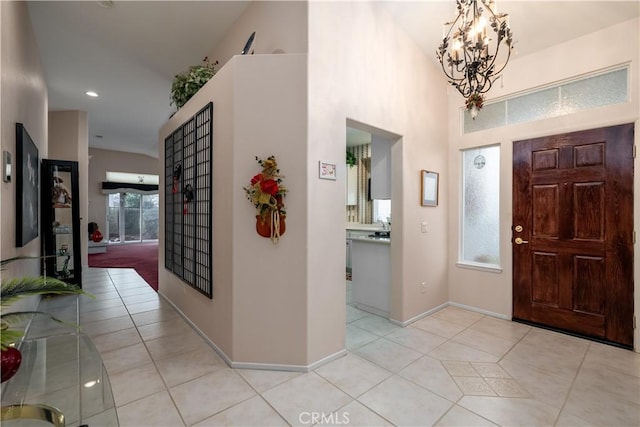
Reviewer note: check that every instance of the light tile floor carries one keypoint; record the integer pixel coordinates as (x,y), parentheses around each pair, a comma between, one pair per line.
(453,368)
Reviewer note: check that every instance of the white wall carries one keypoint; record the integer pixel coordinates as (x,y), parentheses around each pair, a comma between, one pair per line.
(23,99)
(362,67)
(69,140)
(259,307)
(280,26)
(612,46)
(258,313)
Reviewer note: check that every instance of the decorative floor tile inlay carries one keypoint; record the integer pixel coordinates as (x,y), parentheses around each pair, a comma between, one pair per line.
(484,379)
(490,370)
(507,387)
(472,386)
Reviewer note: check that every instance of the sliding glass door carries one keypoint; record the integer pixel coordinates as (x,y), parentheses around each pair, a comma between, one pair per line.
(132,217)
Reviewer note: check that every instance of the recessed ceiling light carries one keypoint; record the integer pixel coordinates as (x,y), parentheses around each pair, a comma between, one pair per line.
(91,93)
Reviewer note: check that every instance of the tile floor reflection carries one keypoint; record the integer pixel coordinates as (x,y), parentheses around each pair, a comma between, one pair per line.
(453,368)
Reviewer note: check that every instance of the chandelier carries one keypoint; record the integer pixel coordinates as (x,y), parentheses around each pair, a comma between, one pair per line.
(470,49)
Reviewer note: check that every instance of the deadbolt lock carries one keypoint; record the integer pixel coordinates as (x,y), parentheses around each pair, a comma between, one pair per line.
(518,229)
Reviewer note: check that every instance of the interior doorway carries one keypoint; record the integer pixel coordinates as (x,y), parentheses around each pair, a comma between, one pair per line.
(573,232)
(369,200)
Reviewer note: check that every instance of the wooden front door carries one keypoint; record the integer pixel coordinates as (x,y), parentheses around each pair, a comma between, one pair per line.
(573,232)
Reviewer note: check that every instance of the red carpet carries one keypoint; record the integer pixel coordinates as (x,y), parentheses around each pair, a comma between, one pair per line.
(143,257)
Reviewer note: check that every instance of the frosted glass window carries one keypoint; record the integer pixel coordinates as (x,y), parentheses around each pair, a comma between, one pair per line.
(608,88)
(491,116)
(481,206)
(594,92)
(533,106)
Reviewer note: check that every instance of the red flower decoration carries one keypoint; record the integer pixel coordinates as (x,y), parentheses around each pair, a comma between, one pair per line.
(269,186)
(256,178)
(266,190)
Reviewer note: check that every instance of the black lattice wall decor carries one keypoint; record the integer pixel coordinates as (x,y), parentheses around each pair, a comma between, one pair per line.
(188,201)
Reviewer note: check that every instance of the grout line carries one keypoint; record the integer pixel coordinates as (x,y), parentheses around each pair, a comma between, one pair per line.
(530,331)
(258,393)
(153,361)
(573,382)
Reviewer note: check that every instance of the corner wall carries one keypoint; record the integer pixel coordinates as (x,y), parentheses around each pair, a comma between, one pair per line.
(258,314)
(23,99)
(69,140)
(612,46)
(364,68)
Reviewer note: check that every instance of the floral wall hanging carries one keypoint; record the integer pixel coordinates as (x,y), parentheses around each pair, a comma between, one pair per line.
(267,193)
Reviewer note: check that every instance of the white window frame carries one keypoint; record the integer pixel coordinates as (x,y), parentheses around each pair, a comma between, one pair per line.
(495,268)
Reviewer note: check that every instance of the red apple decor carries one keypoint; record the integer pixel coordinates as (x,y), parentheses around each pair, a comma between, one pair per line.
(11,359)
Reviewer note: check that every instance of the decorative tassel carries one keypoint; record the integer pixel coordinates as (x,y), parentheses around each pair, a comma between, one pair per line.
(275,226)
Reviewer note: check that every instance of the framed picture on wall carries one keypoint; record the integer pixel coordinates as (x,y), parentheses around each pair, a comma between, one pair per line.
(327,170)
(27,187)
(428,188)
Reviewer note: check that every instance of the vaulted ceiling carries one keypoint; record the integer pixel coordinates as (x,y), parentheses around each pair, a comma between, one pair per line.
(129,53)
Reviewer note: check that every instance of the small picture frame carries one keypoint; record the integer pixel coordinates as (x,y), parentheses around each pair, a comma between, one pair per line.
(327,170)
(428,188)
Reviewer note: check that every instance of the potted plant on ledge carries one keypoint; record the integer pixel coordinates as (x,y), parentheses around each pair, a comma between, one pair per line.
(187,83)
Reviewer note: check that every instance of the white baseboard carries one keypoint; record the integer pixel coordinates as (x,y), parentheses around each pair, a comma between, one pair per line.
(419,316)
(479,310)
(329,358)
(293,368)
(251,365)
(445,305)
(372,310)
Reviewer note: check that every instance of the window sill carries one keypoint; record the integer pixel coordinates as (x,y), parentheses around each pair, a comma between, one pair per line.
(481,267)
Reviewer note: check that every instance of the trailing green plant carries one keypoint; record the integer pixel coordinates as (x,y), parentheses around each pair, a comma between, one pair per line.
(14,289)
(351,159)
(187,83)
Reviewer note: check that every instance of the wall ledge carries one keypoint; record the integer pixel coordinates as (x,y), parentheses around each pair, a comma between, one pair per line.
(480,267)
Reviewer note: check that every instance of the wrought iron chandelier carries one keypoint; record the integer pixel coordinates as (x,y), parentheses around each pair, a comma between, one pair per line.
(470,52)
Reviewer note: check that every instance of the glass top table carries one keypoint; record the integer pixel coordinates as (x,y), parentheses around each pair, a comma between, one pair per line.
(60,375)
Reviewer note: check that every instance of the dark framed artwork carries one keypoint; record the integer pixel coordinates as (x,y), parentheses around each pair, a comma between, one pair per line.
(27,187)
(428,188)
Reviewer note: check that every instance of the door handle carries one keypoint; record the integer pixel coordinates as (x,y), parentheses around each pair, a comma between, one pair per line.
(519,241)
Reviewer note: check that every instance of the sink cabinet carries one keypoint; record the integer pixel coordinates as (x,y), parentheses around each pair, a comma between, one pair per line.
(371,274)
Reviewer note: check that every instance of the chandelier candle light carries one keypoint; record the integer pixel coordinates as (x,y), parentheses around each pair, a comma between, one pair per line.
(470,49)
